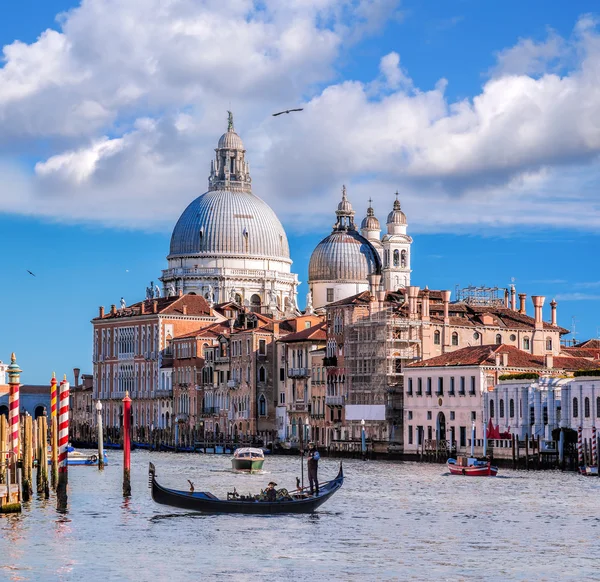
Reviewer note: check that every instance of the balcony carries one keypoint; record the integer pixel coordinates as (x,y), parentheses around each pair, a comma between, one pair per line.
(210,411)
(222,359)
(334,400)
(163,393)
(330,362)
(233,384)
(299,407)
(299,372)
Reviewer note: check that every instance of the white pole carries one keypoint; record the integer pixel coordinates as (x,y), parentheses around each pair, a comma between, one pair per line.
(473,440)
(484,440)
(100,435)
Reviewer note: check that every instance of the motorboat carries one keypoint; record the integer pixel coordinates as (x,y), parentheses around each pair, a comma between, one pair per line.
(472,467)
(588,471)
(75,457)
(248,459)
(297,501)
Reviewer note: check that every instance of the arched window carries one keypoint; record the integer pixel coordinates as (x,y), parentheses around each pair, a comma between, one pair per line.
(386,258)
(526,345)
(549,344)
(262,374)
(498,338)
(437,337)
(403,259)
(455,339)
(511,408)
(491,409)
(255,300)
(262,406)
(586,407)
(575,408)
(501,408)
(396,258)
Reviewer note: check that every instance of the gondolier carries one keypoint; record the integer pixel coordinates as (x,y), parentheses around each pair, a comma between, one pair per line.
(313,467)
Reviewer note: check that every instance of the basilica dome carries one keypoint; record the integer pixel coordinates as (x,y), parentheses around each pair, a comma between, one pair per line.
(396,216)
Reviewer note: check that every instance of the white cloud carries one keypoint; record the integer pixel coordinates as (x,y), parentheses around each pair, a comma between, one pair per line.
(132,100)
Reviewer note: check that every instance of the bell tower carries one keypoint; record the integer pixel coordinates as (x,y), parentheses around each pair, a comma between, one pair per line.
(396,250)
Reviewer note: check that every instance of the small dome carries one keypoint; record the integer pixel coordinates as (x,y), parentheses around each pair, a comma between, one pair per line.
(231,141)
(396,216)
(344,256)
(370,221)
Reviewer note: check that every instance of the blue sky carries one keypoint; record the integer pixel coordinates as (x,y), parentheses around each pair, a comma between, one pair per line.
(482,115)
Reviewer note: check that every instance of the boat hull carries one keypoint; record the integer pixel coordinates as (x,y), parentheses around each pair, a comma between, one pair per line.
(473,470)
(208,503)
(588,471)
(247,465)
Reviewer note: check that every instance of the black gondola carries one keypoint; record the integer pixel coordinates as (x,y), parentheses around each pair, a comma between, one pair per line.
(206,502)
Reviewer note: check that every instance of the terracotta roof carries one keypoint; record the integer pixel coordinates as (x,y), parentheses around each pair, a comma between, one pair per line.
(591,353)
(591,343)
(195,304)
(316,332)
(210,330)
(363,297)
(486,356)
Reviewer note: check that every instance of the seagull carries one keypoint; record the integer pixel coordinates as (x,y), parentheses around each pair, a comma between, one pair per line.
(32,274)
(287,111)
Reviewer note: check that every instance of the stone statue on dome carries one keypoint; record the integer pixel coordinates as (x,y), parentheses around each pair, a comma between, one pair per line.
(171,290)
(156,291)
(123,305)
(309,304)
(210,295)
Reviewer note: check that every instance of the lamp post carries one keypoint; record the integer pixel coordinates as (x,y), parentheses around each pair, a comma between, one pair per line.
(473,440)
(100,436)
(363,440)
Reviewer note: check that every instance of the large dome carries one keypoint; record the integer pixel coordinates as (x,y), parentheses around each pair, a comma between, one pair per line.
(229,223)
(344,256)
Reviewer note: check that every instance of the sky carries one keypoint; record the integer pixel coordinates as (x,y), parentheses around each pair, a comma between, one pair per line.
(485,117)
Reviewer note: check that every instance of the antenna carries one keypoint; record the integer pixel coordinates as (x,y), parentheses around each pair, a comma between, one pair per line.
(573,329)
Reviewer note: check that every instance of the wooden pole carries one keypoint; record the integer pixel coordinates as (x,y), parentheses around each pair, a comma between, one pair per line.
(127,445)
(63,444)
(3,446)
(100,435)
(42,475)
(514,458)
(527,452)
(27,458)
(302,453)
(54,430)
(539,452)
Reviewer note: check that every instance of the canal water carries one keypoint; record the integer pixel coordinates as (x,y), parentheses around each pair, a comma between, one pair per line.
(390,521)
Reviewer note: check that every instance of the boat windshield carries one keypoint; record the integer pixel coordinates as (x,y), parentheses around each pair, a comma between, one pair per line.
(248,453)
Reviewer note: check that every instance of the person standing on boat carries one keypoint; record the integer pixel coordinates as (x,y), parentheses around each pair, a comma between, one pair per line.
(313,466)
(270,492)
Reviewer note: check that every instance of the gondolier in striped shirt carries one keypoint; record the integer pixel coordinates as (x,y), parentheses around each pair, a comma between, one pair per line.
(313,466)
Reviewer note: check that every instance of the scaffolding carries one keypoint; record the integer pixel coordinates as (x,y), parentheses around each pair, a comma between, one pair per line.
(481,296)
(376,350)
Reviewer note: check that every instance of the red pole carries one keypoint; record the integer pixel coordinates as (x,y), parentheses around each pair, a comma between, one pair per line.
(63,443)
(14,379)
(126,445)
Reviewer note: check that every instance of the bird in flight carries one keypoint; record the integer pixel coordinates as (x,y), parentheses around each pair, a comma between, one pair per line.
(287,111)
(33,274)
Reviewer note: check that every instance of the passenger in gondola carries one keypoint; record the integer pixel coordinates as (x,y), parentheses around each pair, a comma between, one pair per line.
(313,466)
(270,492)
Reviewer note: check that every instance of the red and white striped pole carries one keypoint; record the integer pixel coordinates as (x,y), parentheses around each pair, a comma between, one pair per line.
(63,443)
(53,431)
(127,445)
(594,445)
(579,447)
(14,379)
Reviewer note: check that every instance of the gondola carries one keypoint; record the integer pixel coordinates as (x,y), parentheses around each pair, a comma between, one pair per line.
(297,501)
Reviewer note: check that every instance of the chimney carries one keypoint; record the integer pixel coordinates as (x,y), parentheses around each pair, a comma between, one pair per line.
(549,361)
(538,303)
(413,293)
(275,328)
(553,306)
(425,305)
(180,294)
(446,299)
(155,307)
(498,359)
(522,299)
(184,309)
(101,311)
(505,359)
(506,298)
(113,309)
(513,298)
(76,376)
(374,281)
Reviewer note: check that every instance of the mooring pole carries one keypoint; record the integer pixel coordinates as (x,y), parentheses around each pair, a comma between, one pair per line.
(126,445)
(54,431)
(14,379)
(63,444)
(100,435)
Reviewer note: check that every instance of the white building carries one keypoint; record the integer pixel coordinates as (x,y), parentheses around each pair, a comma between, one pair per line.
(580,404)
(228,244)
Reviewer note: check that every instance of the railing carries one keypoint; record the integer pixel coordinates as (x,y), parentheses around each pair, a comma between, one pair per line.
(334,400)
(163,393)
(330,362)
(221,359)
(299,406)
(210,411)
(204,271)
(233,384)
(299,372)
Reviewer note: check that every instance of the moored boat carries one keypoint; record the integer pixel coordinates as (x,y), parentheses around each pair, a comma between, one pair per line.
(472,467)
(297,501)
(75,457)
(588,471)
(248,459)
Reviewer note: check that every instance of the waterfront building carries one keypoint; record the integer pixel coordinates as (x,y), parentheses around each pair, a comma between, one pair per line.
(82,406)
(229,244)
(130,344)
(580,401)
(34,400)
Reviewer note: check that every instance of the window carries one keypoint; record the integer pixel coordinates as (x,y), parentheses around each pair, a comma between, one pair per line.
(281,374)
(511,408)
(501,408)
(498,338)
(526,344)
(513,337)
(410,434)
(329,294)
(282,398)
(428,387)
(262,406)
(454,339)
(586,407)
(403,261)
(419,386)
(419,435)
(575,408)
(262,347)
(440,389)
(410,416)
(549,344)
(452,415)
(429,432)
(451,391)
(306,324)
(473,416)
(472,389)
(396,258)
(476,335)
(429,415)
(398,366)
(463,436)
(410,386)
(462,386)
(491,409)
(437,337)
(262,374)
